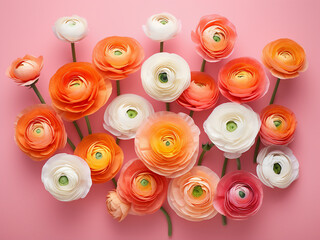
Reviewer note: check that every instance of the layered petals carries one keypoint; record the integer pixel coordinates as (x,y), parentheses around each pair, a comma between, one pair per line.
(102,154)
(168,143)
(191,195)
(117,208)
(78,90)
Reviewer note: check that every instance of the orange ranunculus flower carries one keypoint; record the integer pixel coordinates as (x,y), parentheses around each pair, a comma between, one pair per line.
(168,143)
(116,57)
(202,93)
(78,90)
(144,190)
(243,80)
(215,37)
(25,71)
(278,125)
(39,132)
(116,207)
(102,154)
(284,58)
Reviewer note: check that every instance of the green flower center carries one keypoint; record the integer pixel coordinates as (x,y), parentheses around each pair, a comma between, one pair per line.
(167,143)
(197,191)
(98,155)
(63,181)
(38,130)
(117,53)
(163,21)
(144,182)
(216,37)
(132,113)
(242,194)
(277,123)
(231,126)
(163,77)
(277,168)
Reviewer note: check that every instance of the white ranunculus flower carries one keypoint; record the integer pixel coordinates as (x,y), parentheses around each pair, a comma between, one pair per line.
(161,27)
(67,177)
(232,128)
(277,166)
(125,114)
(165,76)
(71,29)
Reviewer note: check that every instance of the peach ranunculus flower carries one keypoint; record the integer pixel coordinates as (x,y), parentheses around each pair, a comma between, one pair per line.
(143,189)
(168,143)
(284,58)
(102,154)
(215,37)
(117,57)
(202,93)
(243,80)
(39,132)
(278,125)
(25,71)
(78,90)
(116,207)
(191,195)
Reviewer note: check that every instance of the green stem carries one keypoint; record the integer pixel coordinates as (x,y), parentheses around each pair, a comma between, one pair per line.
(203,65)
(71,144)
(117,141)
(73,49)
(114,182)
(161,46)
(224,220)
(225,163)
(168,106)
(78,129)
(238,164)
(35,89)
(201,157)
(118,87)
(88,124)
(274,91)
(191,113)
(205,148)
(168,220)
(256,150)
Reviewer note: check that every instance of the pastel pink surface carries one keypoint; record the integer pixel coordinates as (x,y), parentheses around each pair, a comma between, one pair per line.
(30,212)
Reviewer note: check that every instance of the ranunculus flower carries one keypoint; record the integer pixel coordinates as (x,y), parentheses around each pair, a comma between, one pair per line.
(191,195)
(39,132)
(162,27)
(102,154)
(277,166)
(66,177)
(278,125)
(78,90)
(25,71)
(117,208)
(239,195)
(202,93)
(117,57)
(284,58)
(168,143)
(165,76)
(243,80)
(125,114)
(143,189)
(232,128)
(215,37)
(71,29)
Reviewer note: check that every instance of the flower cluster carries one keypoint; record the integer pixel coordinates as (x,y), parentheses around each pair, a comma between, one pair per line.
(166,143)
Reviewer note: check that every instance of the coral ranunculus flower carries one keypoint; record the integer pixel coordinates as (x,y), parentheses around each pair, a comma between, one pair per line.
(78,90)
(215,37)
(25,71)
(143,189)
(40,132)
(116,57)
(284,58)
(168,143)
(243,80)
(102,154)
(239,195)
(202,93)
(278,125)
(191,195)
(117,208)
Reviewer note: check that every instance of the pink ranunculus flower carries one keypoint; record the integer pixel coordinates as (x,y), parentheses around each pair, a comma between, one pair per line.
(117,208)
(239,195)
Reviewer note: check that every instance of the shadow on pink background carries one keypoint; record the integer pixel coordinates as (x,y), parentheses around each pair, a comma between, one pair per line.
(27,211)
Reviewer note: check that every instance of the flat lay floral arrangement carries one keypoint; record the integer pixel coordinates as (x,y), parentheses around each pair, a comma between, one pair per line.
(169,153)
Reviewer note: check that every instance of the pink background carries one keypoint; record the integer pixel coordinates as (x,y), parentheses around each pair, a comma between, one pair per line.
(27,211)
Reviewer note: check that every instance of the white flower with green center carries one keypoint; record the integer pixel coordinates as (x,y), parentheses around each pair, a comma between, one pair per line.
(67,177)
(165,76)
(277,166)
(71,29)
(161,27)
(125,114)
(232,128)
